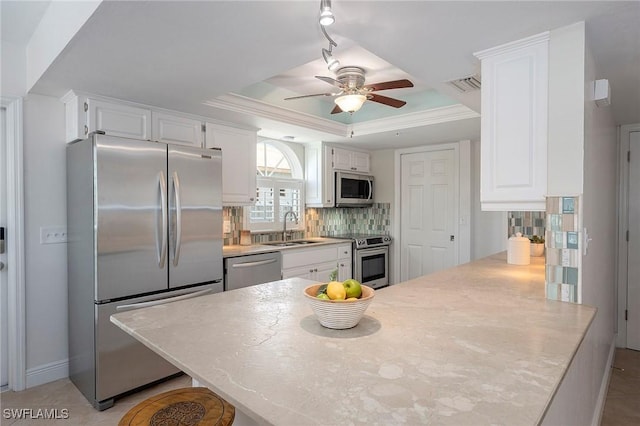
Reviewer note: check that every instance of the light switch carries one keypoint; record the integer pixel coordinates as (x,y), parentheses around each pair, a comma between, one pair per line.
(53,235)
(226,226)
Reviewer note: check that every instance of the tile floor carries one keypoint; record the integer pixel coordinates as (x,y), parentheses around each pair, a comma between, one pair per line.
(622,406)
(63,394)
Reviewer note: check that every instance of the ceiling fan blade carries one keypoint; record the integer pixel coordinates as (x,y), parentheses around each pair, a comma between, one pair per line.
(310,96)
(336,110)
(396,103)
(395,84)
(331,81)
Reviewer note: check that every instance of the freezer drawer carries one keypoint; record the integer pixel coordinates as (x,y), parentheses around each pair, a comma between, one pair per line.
(245,271)
(123,363)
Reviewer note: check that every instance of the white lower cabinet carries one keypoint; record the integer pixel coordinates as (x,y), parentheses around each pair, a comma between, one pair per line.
(317,264)
(316,272)
(345,261)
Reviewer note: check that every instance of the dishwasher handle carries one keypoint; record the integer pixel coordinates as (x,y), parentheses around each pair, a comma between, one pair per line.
(251,264)
(162,301)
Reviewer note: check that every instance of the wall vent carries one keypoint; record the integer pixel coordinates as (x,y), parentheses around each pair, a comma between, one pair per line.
(467,84)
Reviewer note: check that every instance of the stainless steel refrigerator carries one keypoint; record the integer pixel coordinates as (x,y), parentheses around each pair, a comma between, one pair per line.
(144,226)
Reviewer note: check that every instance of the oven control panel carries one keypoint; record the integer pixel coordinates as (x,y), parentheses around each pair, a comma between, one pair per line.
(363,242)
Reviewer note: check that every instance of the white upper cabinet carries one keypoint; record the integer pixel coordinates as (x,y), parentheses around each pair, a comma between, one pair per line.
(85,115)
(319,175)
(176,129)
(514,125)
(238,162)
(353,161)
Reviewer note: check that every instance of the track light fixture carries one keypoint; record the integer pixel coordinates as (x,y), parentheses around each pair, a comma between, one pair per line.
(332,63)
(326,14)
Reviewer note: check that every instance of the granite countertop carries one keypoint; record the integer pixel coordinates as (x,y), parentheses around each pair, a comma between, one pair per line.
(475,344)
(238,250)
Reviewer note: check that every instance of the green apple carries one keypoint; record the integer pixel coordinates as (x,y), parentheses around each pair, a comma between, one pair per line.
(352,287)
(323,296)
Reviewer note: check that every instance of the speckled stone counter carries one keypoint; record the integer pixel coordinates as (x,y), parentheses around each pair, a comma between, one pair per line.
(474,345)
(238,250)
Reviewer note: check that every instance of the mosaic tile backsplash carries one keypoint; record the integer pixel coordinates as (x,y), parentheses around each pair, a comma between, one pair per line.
(527,223)
(319,223)
(364,220)
(562,242)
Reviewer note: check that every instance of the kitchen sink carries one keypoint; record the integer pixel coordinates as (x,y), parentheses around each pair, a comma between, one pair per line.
(290,243)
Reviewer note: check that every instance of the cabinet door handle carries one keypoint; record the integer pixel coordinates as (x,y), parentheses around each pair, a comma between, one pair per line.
(310,270)
(342,264)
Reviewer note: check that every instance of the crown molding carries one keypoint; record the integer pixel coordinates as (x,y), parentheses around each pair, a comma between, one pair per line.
(245,105)
(514,45)
(414,119)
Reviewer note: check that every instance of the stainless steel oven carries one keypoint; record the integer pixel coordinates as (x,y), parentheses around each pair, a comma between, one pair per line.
(370,258)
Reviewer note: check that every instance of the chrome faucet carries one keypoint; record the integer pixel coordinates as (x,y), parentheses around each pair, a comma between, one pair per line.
(284,231)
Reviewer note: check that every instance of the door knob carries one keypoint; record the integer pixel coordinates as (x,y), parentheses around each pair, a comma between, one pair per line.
(452,238)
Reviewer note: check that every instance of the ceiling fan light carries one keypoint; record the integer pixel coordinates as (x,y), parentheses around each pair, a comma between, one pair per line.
(326,14)
(350,103)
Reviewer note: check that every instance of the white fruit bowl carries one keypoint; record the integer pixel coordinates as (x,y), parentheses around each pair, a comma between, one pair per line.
(339,314)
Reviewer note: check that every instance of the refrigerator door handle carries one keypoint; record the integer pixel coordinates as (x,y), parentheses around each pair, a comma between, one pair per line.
(176,192)
(162,301)
(162,254)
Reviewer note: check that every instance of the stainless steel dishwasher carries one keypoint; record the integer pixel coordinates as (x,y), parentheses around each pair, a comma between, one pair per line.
(245,271)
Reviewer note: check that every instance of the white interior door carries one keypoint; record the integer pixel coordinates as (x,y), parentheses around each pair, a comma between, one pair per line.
(428,213)
(4,281)
(633,274)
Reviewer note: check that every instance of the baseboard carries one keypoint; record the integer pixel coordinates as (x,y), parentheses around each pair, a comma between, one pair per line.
(604,387)
(47,373)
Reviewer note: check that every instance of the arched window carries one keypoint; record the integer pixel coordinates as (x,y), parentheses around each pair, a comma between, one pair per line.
(280,188)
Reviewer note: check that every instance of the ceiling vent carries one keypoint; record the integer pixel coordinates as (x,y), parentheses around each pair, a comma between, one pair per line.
(467,84)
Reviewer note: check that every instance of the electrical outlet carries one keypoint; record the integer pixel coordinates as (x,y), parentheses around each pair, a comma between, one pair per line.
(53,235)
(226,226)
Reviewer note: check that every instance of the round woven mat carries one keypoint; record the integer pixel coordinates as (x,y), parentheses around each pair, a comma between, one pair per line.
(181,407)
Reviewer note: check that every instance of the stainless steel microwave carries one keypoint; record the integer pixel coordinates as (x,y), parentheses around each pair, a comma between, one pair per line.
(353,190)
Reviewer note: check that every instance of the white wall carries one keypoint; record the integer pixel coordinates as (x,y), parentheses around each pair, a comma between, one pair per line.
(566,111)
(46,265)
(600,215)
(488,229)
(13,70)
(585,385)
(382,165)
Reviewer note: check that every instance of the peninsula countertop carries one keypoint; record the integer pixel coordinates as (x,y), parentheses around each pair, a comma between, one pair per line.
(475,344)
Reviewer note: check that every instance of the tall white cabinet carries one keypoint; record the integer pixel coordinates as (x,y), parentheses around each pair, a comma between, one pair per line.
(514,125)
(319,176)
(238,164)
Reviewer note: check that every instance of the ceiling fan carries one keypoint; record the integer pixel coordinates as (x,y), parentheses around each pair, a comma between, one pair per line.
(353,92)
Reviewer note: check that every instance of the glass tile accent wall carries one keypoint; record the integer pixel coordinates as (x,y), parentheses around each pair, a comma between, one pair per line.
(319,223)
(562,242)
(362,220)
(527,223)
